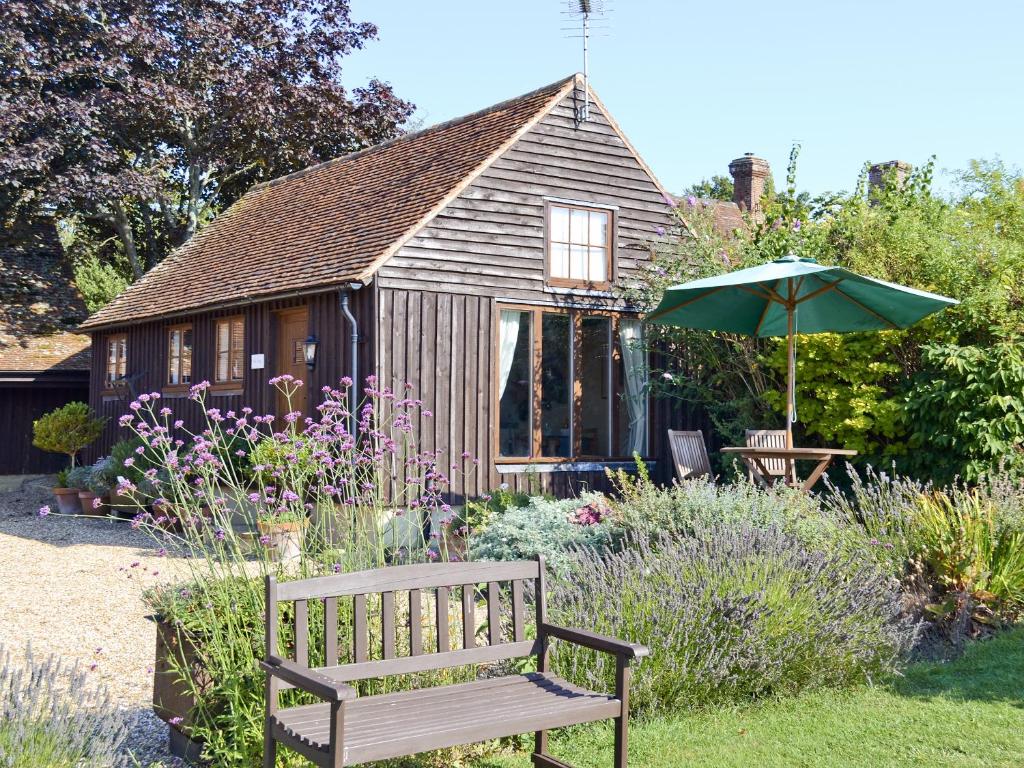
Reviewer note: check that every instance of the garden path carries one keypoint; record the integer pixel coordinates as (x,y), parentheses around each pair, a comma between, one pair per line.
(72,587)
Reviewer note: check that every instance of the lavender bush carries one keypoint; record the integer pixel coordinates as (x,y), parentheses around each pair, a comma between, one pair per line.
(51,717)
(731,615)
(546,527)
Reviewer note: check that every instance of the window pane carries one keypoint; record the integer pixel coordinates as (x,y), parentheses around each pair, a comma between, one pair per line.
(186,356)
(559,260)
(515,384)
(223,346)
(596,271)
(237,347)
(556,386)
(579,228)
(173,356)
(598,228)
(559,224)
(631,389)
(122,356)
(577,262)
(595,406)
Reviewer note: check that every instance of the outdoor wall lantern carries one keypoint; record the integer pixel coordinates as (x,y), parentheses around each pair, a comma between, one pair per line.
(309,351)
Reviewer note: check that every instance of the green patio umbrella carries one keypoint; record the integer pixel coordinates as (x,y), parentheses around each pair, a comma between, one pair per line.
(789,296)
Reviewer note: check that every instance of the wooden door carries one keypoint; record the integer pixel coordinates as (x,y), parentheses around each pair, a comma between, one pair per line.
(292,330)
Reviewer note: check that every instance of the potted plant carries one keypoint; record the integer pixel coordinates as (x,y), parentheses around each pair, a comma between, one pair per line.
(66,494)
(135,471)
(281,533)
(66,430)
(78,479)
(97,487)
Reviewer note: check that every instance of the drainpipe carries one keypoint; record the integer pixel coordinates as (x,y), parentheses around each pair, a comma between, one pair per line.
(344,296)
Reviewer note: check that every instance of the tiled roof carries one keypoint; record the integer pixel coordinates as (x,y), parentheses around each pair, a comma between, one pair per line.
(728,216)
(332,223)
(39,303)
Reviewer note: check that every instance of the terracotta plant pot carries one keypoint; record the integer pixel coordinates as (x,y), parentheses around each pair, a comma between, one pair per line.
(123,506)
(67,501)
(86,500)
(285,543)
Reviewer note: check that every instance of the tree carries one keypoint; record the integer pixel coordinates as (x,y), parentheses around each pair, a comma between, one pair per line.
(67,430)
(145,118)
(715,188)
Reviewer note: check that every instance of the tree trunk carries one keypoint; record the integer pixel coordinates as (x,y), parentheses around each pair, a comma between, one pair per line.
(123,228)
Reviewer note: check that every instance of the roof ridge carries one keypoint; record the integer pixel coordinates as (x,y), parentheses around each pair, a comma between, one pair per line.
(556,85)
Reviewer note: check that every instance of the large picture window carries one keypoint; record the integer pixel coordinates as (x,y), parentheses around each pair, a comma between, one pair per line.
(179,356)
(579,246)
(230,346)
(571,385)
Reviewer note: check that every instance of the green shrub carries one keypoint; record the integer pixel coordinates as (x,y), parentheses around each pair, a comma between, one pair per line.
(968,411)
(79,477)
(52,717)
(731,615)
(543,527)
(67,430)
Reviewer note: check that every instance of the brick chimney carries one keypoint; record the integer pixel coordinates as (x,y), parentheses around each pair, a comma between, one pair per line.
(881,173)
(749,177)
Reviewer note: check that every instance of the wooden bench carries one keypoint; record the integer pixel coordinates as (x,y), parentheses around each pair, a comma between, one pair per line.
(347,729)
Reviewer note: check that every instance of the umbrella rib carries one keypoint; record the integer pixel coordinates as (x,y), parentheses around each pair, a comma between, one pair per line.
(817,292)
(866,308)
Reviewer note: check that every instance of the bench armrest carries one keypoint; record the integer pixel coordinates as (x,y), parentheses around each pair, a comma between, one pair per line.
(308,680)
(595,641)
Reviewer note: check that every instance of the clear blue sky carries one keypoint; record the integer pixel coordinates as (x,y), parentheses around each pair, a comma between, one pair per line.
(695,83)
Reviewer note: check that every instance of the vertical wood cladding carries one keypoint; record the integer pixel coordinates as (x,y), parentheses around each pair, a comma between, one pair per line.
(22,403)
(147,358)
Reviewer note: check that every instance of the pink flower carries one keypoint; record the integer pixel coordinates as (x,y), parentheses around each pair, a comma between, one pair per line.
(97,503)
(44,510)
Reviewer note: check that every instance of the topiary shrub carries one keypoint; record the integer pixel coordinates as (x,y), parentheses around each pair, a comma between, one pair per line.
(67,430)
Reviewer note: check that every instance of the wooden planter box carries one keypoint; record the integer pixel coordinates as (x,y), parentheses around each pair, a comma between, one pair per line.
(172,698)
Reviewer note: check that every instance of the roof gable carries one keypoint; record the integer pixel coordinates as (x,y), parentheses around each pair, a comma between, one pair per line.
(332,223)
(39,303)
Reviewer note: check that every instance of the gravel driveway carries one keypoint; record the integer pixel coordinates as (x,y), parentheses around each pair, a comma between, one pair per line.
(71,586)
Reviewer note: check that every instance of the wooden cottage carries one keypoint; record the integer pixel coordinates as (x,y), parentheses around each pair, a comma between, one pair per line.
(479,260)
(43,362)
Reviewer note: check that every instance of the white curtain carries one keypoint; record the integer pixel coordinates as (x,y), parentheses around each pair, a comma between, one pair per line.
(635,359)
(508,336)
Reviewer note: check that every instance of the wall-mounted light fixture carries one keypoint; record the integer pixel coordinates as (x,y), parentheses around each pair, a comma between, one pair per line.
(309,347)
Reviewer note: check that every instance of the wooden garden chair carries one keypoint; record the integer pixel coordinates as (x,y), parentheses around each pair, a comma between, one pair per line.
(689,454)
(348,729)
(777,468)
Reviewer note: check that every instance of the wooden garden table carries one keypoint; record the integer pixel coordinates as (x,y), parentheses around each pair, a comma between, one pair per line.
(756,456)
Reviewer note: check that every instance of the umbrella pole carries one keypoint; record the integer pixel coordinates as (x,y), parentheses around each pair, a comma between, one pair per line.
(790,372)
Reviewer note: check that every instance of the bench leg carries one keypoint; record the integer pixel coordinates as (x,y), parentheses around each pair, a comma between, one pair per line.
(623,673)
(269,747)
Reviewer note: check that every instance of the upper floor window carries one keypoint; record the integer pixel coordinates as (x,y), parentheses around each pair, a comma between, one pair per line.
(179,355)
(117,358)
(579,246)
(230,346)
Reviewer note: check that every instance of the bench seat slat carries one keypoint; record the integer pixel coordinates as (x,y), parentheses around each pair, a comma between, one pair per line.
(457,714)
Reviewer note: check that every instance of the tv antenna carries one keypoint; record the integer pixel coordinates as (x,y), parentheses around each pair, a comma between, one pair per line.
(583,11)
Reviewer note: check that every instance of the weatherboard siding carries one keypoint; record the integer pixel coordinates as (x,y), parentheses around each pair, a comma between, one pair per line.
(489,241)
(147,359)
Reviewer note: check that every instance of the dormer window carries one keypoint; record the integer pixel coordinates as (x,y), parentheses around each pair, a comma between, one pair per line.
(579,246)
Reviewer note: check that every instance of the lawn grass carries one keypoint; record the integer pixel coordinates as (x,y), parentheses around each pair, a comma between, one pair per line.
(969,712)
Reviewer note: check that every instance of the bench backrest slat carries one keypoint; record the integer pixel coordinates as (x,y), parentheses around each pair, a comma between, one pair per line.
(415,622)
(371,658)
(468,616)
(401,578)
(330,632)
